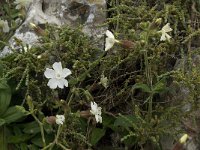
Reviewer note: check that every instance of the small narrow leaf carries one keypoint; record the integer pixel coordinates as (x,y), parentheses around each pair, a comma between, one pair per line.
(143,87)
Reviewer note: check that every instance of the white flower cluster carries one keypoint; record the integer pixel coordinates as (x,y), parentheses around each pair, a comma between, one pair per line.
(57,77)
(110,39)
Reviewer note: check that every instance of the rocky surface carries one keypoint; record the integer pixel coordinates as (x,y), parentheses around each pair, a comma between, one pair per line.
(88,13)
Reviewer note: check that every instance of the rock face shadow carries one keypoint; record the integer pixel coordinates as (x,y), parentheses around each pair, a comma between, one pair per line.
(77,12)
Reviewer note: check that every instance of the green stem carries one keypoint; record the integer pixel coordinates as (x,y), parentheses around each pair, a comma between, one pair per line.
(3,142)
(70,97)
(41,129)
(48,146)
(51,145)
(148,74)
(58,134)
(150,106)
(63,147)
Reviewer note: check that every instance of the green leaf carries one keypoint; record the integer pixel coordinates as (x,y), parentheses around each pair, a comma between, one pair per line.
(47,127)
(37,140)
(33,147)
(143,87)
(96,135)
(5,96)
(159,87)
(127,121)
(23,146)
(19,138)
(14,113)
(107,120)
(31,128)
(2,122)
(129,139)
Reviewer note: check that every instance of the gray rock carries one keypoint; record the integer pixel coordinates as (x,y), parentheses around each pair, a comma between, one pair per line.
(88,13)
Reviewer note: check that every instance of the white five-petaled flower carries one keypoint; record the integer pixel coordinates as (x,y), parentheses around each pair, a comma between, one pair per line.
(60,119)
(22,3)
(57,76)
(110,40)
(4,25)
(95,110)
(164,31)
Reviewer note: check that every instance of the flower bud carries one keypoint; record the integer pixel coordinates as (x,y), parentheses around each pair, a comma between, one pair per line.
(184,138)
(181,144)
(51,119)
(127,44)
(39,56)
(156,23)
(85,114)
(37,29)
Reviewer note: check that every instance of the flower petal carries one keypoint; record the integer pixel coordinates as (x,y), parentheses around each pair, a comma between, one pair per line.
(65,82)
(60,83)
(109,43)
(60,119)
(163,38)
(99,110)
(57,66)
(167,28)
(65,72)
(168,37)
(53,83)
(49,73)
(109,34)
(98,118)
(93,107)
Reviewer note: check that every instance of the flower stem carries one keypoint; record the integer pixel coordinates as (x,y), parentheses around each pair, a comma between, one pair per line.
(41,129)
(148,73)
(51,145)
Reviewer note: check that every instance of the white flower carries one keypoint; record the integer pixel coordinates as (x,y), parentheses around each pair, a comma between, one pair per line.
(27,47)
(60,119)
(22,3)
(95,110)
(164,31)
(104,81)
(57,76)
(4,25)
(110,40)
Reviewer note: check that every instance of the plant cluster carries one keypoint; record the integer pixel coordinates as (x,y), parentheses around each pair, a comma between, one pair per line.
(66,93)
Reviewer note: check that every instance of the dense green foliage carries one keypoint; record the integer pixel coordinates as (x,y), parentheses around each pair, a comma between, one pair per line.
(150,85)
